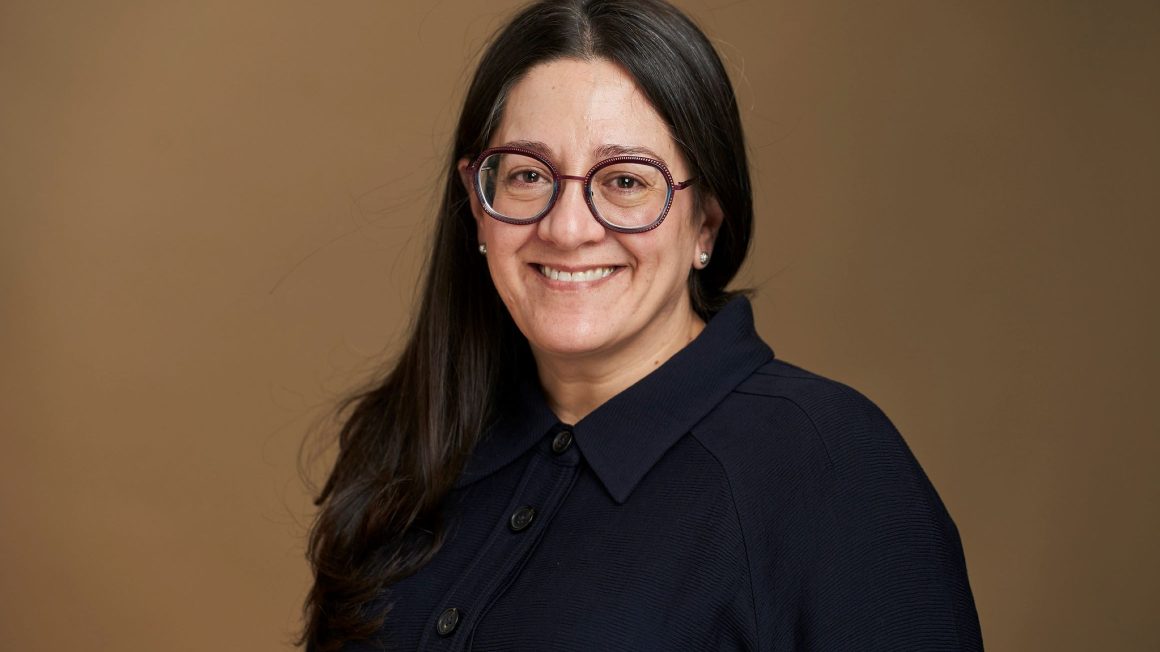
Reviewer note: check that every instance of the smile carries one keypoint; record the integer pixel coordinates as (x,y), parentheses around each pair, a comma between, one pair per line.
(594,274)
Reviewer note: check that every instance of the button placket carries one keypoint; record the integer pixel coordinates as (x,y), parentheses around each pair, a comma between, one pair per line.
(548,478)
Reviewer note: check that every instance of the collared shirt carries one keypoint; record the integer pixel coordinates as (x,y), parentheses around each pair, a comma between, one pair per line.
(726,501)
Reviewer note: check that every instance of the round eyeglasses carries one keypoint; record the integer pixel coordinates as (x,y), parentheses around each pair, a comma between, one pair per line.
(626,194)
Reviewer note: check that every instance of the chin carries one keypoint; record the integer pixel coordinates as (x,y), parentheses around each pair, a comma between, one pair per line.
(568,339)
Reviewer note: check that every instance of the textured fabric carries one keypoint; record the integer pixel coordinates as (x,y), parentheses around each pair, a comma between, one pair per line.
(727,501)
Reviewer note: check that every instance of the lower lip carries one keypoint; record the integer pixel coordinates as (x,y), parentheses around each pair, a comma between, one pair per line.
(572,285)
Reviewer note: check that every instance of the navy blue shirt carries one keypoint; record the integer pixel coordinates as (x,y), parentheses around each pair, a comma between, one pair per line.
(726,501)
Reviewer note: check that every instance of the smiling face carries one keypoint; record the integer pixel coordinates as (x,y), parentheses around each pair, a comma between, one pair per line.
(575,289)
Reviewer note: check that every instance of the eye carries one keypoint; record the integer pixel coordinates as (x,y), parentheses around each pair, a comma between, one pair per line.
(527,177)
(627,183)
(628,180)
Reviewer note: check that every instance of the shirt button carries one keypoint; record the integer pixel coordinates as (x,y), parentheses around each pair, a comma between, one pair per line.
(522,518)
(447,621)
(562,441)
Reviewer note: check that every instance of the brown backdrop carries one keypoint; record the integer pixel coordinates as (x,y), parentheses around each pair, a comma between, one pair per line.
(211,216)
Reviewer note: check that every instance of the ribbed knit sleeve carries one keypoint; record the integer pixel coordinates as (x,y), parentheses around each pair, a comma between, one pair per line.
(888,571)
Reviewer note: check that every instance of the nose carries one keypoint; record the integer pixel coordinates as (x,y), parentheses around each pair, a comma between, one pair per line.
(570,224)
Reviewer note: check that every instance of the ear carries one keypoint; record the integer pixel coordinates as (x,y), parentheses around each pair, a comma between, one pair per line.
(476,210)
(711,218)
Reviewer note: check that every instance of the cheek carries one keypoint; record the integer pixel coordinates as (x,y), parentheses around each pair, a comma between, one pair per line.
(666,254)
(503,244)
(506,237)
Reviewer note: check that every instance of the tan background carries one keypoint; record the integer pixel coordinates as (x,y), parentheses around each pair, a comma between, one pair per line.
(211,215)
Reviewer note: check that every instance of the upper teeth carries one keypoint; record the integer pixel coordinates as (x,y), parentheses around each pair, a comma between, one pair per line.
(575,277)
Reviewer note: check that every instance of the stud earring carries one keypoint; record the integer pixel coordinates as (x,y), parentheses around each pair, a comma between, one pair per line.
(483,248)
(704,258)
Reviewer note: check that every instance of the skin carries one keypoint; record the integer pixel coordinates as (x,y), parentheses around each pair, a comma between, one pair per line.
(593,339)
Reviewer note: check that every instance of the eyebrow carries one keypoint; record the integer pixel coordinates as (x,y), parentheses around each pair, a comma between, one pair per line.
(609,151)
(534,145)
(601,152)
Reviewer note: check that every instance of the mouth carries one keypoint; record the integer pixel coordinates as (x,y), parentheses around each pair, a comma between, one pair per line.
(577,275)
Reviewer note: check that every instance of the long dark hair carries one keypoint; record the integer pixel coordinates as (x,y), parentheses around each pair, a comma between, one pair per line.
(407,438)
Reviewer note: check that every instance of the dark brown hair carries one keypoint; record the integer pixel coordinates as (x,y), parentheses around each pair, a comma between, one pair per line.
(407,438)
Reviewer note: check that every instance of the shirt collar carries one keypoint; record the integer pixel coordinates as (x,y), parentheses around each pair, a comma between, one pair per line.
(623,438)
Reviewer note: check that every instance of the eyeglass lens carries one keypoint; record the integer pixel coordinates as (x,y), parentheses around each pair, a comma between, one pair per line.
(625,194)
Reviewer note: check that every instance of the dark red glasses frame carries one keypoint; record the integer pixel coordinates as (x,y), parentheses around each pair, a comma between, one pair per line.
(557,177)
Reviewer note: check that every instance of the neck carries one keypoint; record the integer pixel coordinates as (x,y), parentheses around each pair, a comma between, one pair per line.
(575,385)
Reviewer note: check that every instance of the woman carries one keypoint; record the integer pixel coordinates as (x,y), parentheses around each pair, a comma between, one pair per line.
(584,444)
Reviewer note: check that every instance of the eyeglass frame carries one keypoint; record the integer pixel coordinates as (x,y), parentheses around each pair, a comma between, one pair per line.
(558,178)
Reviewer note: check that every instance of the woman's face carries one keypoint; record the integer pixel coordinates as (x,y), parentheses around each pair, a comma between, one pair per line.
(577,112)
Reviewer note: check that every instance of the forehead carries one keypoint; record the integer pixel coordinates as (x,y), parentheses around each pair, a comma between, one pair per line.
(578,108)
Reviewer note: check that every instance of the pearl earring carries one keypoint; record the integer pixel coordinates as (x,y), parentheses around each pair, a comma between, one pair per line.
(704,258)
(483,248)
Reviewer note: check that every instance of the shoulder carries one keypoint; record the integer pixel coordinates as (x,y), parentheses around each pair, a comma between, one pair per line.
(783,414)
(788,431)
(844,532)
